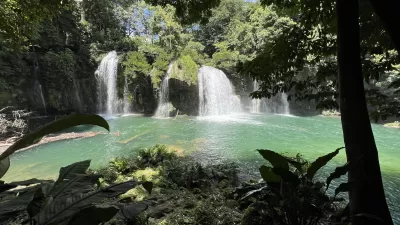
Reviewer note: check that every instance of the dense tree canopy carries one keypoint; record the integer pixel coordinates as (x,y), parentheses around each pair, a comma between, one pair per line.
(286,46)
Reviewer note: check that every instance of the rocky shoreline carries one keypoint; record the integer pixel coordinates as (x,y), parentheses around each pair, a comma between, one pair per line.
(49,138)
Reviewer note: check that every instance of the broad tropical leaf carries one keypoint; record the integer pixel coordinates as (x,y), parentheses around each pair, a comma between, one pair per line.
(269,176)
(276,160)
(339,171)
(93,215)
(5,187)
(70,171)
(58,125)
(35,205)
(29,182)
(11,207)
(343,187)
(61,209)
(286,175)
(295,164)
(4,165)
(132,210)
(80,183)
(320,162)
(8,186)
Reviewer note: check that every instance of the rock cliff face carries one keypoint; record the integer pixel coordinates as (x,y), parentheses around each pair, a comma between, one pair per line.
(184,97)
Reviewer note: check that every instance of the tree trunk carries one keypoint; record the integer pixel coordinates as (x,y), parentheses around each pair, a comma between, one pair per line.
(367,198)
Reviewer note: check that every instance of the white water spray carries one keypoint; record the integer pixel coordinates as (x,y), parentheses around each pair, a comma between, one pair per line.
(277,104)
(106,76)
(216,94)
(255,102)
(164,106)
(42,97)
(127,102)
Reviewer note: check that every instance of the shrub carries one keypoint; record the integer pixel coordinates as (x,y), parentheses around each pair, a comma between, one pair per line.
(154,156)
(205,213)
(187,173)
(291,195)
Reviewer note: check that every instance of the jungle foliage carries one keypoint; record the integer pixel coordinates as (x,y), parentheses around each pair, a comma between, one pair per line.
(284,48)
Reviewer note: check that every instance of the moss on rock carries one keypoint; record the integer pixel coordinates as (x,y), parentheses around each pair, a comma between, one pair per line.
(147,174)
(185,69)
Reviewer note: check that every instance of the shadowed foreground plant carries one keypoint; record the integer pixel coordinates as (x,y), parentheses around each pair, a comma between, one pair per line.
(72,199)
(291,196)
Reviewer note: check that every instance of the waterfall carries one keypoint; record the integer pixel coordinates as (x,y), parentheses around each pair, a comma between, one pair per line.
(41,97)
(127,102)
(164,106)
(77,95)
(255,102)
(38,94)
(277,104)
(285,104)
(216,93)
(106,75)
(37,87)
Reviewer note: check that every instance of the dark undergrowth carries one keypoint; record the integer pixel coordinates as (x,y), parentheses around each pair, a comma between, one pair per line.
(187,192)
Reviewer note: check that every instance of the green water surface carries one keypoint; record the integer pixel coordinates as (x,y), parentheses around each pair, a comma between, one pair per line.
(212,140)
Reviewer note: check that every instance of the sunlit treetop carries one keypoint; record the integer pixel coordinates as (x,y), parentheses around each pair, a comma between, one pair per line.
(190,11)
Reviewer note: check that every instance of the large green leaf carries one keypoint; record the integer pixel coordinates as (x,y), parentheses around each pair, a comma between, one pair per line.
(34,206)
(5,187)
(58,125)
(339,171)
(269,176)
(131,211)
(4,165)
(93,215)
(29,182)
(72,179)
(276,159)
(8,186)
(287,176)
(320,162)
(70,171)
(13,206)
(343,187)
(64,208)
(80,183)
(298,165)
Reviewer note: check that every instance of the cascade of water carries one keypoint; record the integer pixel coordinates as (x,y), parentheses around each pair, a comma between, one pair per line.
(285,104)
(38,95)
(277,104)
(37,87)
(41,96)
(216,93)
(127,102)
(164,107)
(77,95)
(255,102)
(106,75)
